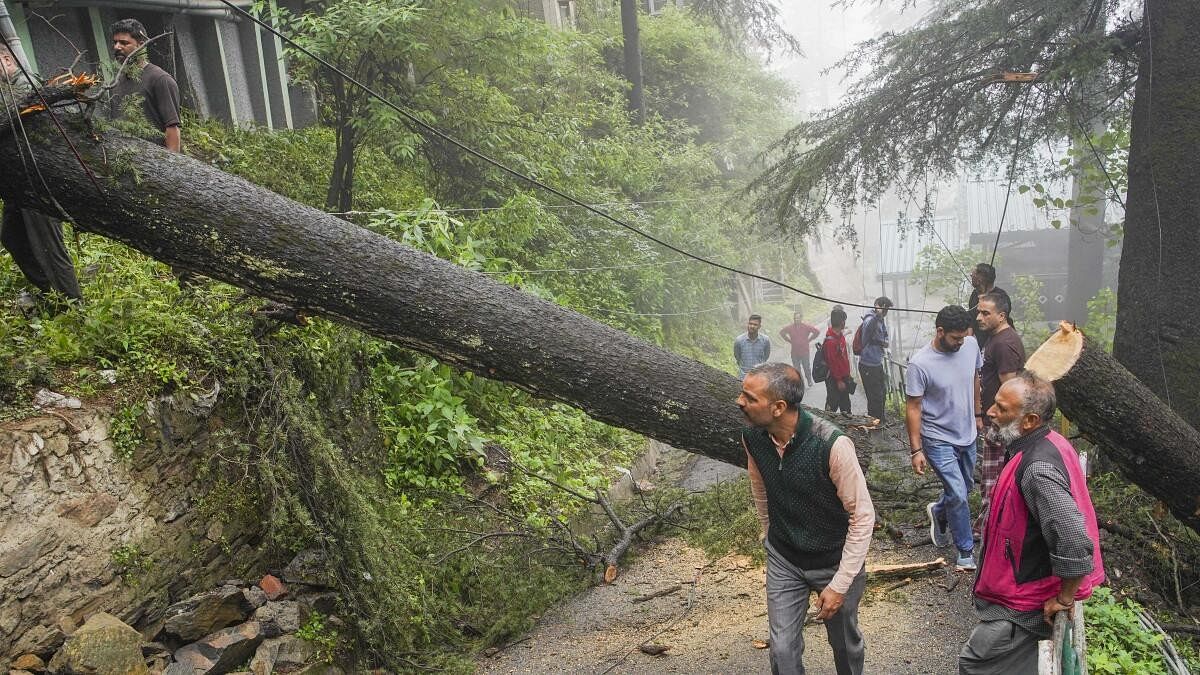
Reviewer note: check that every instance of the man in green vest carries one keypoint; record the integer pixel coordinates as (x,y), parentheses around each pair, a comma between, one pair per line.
(817,518)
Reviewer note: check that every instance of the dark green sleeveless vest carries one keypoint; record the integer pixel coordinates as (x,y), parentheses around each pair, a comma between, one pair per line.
(808,522)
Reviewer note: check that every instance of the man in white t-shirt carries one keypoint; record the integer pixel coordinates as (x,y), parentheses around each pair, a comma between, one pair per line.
(944,420)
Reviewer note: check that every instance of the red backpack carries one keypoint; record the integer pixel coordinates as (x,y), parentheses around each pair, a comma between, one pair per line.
(857,345)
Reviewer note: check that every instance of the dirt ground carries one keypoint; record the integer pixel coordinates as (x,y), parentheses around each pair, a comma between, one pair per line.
(711,625)
(918,628)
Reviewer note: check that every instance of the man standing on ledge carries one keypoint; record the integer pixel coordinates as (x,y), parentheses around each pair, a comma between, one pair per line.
(34,240)
(816,515)
(1041,546)
(751,348)
(157,89)
(943,418)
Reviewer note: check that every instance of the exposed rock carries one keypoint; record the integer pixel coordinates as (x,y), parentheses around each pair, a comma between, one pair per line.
(44,398)
(309,567)
(265,657)
(103,645)
(68,501)
(19,672)
(281,656)
(41,640)
(322,603)
(88,511)
(30,662)
(273,587)
(278,618)
(157,657)
(202,614)
(255,596)
(218,653)
(294,654)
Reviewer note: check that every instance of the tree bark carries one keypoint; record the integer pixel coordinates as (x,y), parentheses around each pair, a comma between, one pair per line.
(1153,446)
(193,216)
(1159,282)
(633,58)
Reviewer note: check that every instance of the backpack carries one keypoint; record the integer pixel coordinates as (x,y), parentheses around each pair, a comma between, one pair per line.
(857,345)
(820,367)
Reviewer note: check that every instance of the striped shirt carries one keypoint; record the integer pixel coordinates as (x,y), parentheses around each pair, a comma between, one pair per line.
(749,353)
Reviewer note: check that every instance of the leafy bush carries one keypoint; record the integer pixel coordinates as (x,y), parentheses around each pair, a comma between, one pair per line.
(1116,643)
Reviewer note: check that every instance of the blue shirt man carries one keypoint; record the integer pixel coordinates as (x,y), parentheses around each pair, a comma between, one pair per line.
(751,348)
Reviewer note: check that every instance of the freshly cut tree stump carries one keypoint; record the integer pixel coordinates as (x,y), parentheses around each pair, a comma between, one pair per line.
(1153,446)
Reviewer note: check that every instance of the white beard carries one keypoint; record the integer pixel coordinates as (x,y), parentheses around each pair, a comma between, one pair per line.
(1004,435)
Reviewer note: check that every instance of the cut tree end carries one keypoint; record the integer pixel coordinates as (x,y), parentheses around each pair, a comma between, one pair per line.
(1057,355)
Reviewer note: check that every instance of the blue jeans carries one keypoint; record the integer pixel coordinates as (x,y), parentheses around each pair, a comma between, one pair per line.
(955,466)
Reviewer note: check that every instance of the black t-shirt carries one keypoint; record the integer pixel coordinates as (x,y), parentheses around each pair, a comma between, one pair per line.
(1004,354)
(159,94)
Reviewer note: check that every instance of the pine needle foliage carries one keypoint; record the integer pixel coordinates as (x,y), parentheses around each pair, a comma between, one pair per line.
(931,99)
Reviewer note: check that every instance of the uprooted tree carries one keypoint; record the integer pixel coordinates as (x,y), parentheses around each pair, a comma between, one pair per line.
(194,216)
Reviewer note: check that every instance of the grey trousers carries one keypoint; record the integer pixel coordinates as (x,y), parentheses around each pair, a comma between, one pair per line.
(788,588)
(999,648)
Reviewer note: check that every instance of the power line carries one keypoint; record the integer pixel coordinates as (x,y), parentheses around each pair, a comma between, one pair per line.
(415,119)
(629,313)
(1012,175)
(657,263)
(483,209)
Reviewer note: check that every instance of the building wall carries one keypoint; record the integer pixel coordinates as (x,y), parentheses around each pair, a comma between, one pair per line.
(229,70)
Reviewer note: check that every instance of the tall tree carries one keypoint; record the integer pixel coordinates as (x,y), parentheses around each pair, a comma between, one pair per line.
(1159,282)
(373,41)
(936,97)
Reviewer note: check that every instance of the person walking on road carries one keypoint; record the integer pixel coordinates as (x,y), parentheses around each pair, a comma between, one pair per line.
(870,362)
(1041,546)
(944,419)
(816,516)
(838,384)
(1003,358)
(798,334)
(751,348)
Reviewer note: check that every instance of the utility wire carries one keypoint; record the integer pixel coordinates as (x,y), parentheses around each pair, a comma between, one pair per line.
(1012,175)
(531,180)
(481,209)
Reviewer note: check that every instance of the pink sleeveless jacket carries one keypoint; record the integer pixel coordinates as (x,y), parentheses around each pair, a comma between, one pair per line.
(1015,571)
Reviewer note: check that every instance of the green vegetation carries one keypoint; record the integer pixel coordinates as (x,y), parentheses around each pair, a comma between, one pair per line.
(384,459)
(322,636)
(1116,642)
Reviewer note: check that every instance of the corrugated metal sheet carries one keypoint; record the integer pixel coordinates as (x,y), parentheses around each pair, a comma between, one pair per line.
(899,245)
(981,204)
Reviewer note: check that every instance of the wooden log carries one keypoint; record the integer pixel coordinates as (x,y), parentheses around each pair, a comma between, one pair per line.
(1152,446)
(881,572)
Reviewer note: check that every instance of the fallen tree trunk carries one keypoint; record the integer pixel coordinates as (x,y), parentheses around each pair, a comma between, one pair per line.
(1151,444)
(195,217)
